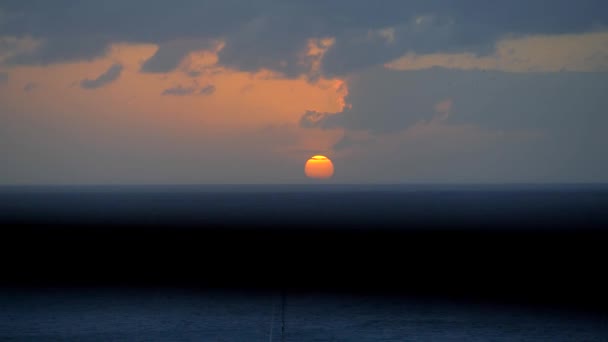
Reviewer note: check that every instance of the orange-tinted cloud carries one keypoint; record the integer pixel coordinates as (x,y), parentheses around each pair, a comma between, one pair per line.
(129,110)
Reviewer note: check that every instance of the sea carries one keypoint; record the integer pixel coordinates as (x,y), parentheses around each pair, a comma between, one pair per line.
(393,262)
(119,315)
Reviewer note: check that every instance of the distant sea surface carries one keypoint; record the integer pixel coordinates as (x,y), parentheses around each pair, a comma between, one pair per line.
(106,315)
(311,206)
(355,262)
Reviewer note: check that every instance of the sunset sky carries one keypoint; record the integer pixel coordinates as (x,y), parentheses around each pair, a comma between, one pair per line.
(235,91)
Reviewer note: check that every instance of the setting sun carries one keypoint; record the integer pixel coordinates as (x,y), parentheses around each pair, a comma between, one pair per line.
(319,167)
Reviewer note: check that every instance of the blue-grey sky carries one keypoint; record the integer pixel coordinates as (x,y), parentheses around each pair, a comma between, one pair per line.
(237,91)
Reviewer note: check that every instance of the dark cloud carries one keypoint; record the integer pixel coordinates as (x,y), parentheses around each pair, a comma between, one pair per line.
(194,73)
(63,49)
(272,41)
(386,101)
(170,54)
(349,141)
(180,90)
(82,30)
(501,126)
(207,90)
(458,26)
(30,86)
(539,126)
(273,34)
(314,119)
(109,76)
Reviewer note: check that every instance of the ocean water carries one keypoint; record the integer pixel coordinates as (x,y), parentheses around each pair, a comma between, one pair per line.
(311,206)
(110,315)
(360,263)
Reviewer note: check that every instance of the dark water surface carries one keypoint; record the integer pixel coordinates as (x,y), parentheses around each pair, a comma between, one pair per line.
(310,206)
(104,315)
(359,263)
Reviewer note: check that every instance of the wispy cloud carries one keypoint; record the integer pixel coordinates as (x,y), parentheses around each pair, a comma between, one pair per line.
(109,76)
(257,37)
(207,90)
(180,90)
(587,52)
(30,86)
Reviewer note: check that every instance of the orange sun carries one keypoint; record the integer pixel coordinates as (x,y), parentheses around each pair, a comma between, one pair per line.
(319,167)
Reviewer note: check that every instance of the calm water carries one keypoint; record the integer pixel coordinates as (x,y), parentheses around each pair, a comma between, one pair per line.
(104,315)
(545,206)
(101,314)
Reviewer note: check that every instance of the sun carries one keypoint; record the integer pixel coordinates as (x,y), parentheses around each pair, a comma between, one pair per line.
(319,167)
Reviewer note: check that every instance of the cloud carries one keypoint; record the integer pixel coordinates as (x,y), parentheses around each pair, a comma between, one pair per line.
(83,31)
(207,90)
(354,139)
(194,73)
(444,27)
(465,125)
(109,76)
(432,123)
(11,46)
(131,133)
(271,35)
(443,108)
(180,90)
(436,130)
(30,86)
(3,77)
(61,49)
(452,145)
(170,54)
(312,119)
(582,52)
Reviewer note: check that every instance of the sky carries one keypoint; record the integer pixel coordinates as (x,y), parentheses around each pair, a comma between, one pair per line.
(235,91)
